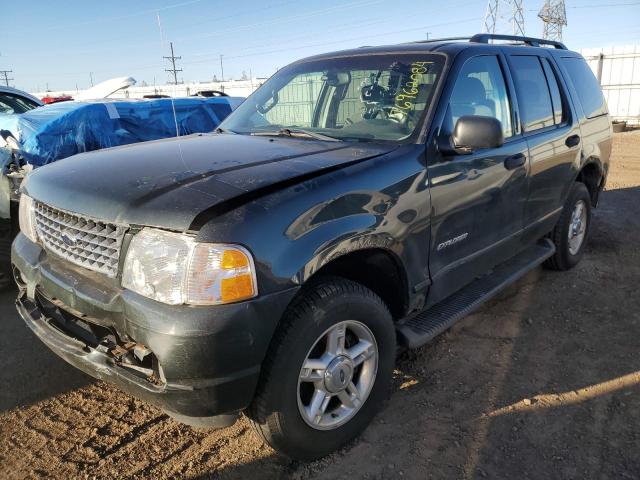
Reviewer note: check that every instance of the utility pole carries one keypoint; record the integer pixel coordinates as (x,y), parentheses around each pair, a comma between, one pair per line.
(221,68)
(5,74)
(554,17)
(173,68)
(501,13)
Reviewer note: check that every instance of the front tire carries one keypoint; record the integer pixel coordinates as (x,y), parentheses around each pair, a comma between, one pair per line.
(328,370)
(572,230)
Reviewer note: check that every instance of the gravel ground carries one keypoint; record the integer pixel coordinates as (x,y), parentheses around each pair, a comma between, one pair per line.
(542,382)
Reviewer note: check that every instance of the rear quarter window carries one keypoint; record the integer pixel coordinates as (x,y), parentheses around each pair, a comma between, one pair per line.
(585,83)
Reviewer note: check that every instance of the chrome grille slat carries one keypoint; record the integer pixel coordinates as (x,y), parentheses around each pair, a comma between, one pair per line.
(110,234)
(96,244)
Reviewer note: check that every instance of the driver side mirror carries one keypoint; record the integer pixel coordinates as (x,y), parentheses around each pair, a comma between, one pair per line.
(473,132)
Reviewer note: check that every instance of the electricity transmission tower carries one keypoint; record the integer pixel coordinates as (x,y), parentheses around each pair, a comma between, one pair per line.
(173,68)
(554,17)
(505,16)
(5,75)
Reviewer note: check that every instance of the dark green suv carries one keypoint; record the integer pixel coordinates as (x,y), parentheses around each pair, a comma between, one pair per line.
(358,202)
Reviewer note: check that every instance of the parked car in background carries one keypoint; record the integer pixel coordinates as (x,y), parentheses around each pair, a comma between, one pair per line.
(357,202)
(45,135)
(14,101)
(56,99)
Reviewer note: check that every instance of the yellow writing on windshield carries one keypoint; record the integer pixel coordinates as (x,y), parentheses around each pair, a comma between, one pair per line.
(406,97)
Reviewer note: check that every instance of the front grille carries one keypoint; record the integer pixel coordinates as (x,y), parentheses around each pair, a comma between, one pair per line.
(85,241)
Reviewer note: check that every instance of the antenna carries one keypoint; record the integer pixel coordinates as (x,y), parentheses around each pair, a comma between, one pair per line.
(504,16)
(173,68)
(554,17)
(5,74)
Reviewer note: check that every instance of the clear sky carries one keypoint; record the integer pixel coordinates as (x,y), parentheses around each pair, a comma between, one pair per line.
(58,43)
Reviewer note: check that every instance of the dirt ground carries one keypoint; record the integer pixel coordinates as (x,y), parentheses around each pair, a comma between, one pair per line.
(543,382)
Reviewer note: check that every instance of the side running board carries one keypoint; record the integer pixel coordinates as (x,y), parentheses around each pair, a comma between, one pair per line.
(424,326)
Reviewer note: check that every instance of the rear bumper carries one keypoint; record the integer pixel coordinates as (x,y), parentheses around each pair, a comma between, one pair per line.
(207,358)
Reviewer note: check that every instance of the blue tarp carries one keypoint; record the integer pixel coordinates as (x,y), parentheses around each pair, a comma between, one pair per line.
(59,130)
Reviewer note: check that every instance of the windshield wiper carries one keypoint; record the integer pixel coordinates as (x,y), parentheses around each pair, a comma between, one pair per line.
(223,130)
(293,132)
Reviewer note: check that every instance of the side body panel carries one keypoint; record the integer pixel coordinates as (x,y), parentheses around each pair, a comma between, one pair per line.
(379,204)
(596,133)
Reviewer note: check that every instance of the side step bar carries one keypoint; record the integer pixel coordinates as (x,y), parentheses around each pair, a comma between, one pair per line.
(424,326)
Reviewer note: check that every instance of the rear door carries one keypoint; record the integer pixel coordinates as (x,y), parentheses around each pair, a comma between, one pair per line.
(552,132)
(478,200)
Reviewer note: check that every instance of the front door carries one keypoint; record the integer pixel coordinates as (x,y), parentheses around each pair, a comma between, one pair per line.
(478,200)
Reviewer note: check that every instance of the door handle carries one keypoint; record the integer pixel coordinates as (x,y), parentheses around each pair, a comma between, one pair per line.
(572,141)
(515,161)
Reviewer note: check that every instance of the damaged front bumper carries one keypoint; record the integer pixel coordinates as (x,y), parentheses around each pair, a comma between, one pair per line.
(193,362)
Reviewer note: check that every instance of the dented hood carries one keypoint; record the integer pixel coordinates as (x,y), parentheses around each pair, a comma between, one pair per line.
(167,183)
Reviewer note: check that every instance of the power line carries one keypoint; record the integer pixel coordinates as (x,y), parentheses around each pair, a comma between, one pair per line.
(173,68)
(5,74)
(212,56)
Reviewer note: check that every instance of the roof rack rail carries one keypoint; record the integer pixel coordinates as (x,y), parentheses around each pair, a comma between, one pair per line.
(446,39)
(532,42)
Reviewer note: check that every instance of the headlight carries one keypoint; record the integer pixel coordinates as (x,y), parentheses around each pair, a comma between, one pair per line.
(27,217)
(173,268)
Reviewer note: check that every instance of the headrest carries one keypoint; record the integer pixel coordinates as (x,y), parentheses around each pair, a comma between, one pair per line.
(470,90)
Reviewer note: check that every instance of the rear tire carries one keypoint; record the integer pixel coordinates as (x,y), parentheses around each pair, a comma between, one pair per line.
(343,335)
(572,230)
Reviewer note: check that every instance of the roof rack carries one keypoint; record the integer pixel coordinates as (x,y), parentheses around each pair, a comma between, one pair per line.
(447,39)
(532,42)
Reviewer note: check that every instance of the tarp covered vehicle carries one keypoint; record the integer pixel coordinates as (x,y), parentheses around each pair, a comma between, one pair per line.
(47,134)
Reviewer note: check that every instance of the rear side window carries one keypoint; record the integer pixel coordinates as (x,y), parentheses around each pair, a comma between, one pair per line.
(586,85)
(534,98)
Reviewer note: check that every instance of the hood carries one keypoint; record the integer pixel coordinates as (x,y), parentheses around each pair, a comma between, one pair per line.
(167,183)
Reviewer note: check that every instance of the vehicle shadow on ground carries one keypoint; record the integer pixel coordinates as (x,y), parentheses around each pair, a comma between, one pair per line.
(30,371)
(541,382)
(567,403)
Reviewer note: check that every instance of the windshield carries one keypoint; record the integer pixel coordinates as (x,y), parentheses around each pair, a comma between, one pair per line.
(361,98)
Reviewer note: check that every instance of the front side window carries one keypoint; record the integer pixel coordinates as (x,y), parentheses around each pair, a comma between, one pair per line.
(362,98)
(480,90)
(534,98)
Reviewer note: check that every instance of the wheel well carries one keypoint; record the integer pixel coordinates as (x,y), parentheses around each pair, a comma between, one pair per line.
(591,176)
(378,270)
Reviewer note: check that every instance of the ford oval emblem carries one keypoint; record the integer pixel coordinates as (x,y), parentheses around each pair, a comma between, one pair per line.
(69,239)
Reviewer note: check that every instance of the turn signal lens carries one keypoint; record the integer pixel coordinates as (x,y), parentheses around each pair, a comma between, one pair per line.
(236,288)
(234,259)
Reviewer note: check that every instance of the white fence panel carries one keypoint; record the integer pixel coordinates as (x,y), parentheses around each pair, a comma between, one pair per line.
(618,71)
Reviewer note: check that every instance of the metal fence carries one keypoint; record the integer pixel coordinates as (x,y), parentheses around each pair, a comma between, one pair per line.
(618,71)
